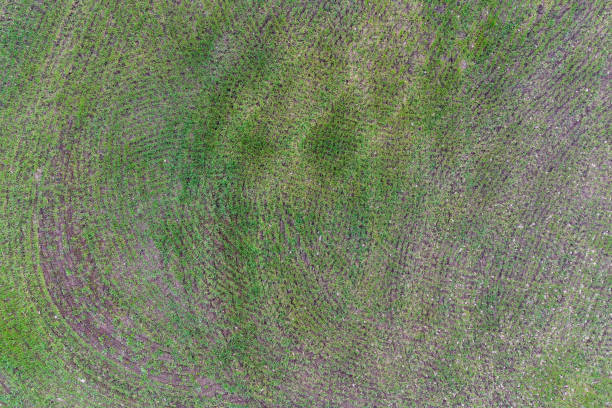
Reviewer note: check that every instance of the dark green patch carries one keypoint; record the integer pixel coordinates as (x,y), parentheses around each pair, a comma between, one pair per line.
(333,143)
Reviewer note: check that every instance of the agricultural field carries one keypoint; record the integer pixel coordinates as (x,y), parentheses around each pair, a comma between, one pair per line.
(292,203)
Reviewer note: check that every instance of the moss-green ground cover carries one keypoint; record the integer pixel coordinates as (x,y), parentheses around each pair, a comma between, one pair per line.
(305,204)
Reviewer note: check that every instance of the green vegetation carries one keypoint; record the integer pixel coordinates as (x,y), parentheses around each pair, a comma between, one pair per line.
(305,204)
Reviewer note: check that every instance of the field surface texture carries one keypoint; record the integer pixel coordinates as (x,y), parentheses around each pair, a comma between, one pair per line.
(289,203)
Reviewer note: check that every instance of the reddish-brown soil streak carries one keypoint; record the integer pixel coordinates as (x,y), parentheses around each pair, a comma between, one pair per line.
(3,384)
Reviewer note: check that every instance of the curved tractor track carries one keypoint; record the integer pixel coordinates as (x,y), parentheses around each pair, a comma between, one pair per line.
(305,204)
